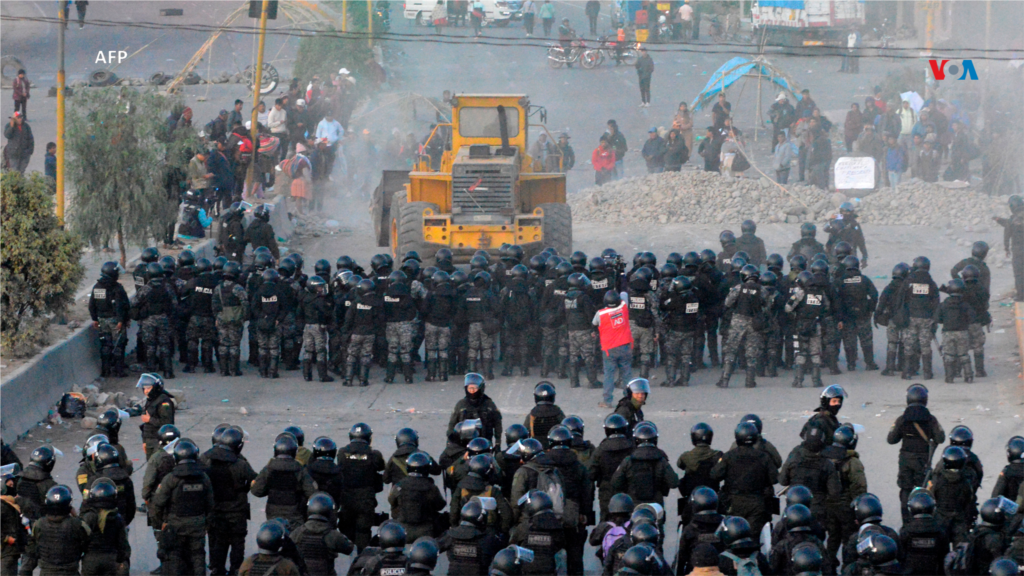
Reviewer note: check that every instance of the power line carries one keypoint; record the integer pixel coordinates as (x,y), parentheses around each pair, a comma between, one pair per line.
(727,48)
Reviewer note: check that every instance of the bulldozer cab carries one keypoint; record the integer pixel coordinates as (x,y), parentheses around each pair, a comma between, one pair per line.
(475,187)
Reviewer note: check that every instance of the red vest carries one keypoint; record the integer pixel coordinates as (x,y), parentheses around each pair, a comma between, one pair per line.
(614,327)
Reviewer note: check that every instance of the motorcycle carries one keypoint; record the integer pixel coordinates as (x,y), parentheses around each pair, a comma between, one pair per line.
(608,49)
(578,51)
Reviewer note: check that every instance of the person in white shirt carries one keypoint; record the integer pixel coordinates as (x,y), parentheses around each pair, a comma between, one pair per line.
(277,122)
(261,113)
(685,17)
(330,131)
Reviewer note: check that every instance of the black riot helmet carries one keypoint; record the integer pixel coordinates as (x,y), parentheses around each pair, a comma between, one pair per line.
(645,433)
(392,537)
(806,559)
(563,269)
(900,271)
(799,494)
(746,434)
(851,263)
(232,270)
(691,260)
(560,436)
(578,280)
(285,446)
(669,271)
(300,436)
(755,420)
(742,254)
(921,503)
(508,562)
(168,433)
(361,431)
(378,263)
(575,425)
(970,273)
(270,537)
(397,276)
(219,262)
(917,394)
(466,431)
(443,255)
(536,502)
(203,266)
(704,500)
(324,447)
(727,238)
(109,422)
(737,264)
(611,299)
(412,255)
(819,266)
(110,271)
(352,282)
(321,504)
(407,436)
(735,532)
(263,261)
(57,501)
(867,509)
(423,555)
(681,284)
(798,263)
(270,275)
(529,448)
(616,424)
(297,258)
(640,559)
(186,258)
(846,209)
(769,278)
(645,533)
(411,268)
(1015,449)
(316,285)
(481,465)
(621,504)
(515,433)
(708,256)
(322,268)
(418,464)
(748,227)
(150,254)
(835,391)
(1003,567)
(798,518)
(961,436)
(482,279)
(516,253)
(979,250)
(992,513)
(842,249)
(44,458)
(154,271)
(775,262)
(808,230)
(676,259)
(701,433)
(185,451)
(1016,203)
(345,263)
(262,212)
(956,287)
(644,274)
(441,277)
(520,271)
(921,263)
(750,273)
(846,437)
(106,456)
(478,263)
(954,458)
(478,446)
(648,259)
(538,264)
(544,393)
(366,286)
(878,549)
(477,380)
(103,493)
(233,438)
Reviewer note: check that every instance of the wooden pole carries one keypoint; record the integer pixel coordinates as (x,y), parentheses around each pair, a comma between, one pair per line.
(369,21)
(60,111)
(344,16)
(257,84)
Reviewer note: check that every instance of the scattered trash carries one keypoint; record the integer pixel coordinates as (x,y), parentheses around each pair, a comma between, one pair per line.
(225,400)
(332,224)
(1000,331)
(880,277)
(243,411)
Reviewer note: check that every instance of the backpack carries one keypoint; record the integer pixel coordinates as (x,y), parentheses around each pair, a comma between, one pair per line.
(244,149)
(744,566)
(549,481)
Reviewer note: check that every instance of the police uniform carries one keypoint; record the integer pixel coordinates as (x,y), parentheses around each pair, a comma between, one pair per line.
(696,466)
(553,333)
(746,326)
(109,307)
(955,503)
(807,467)
(579,504)
(499,521)
(362,467)
(316,314)
(234,237)
(265,564)
(470,550)
(1013,243)
(885,315)
(183,502)
(415,504)
(977,297)
(543,534)
(684,320)
(925,543)
(644,320)
(439,309)
(857,299)
(361,322)
(268,311)
(839,516)
(33,484)
(319,542)
(231,308)
(400,322)
(232,477)
(920,297)
(483,409)
(748,476)
(252,280)
(645,475)
(290,327)
(710,285)
(152,306)
(808,306)
(287,486)
(956,315)
(518,303)
(201,324)
(919,432)
(541,419)
(108,550)
(56,545)
(160,408)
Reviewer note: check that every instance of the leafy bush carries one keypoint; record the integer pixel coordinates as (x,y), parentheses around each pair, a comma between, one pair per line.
(323,55)
(41,263)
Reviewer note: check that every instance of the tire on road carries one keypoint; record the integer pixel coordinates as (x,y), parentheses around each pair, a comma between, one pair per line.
(557,227)
(9,66)
(101,78)
(407,228)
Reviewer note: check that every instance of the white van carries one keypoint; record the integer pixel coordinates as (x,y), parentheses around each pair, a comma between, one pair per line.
(497,12)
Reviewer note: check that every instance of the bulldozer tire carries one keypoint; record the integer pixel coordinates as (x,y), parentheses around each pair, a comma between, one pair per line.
(557,227)
(407,227)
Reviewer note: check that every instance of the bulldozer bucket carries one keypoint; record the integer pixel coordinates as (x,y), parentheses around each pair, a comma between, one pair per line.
(391,181)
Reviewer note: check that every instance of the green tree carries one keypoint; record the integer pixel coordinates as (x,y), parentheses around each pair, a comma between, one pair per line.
(121,156)
(323,55)
(41,263)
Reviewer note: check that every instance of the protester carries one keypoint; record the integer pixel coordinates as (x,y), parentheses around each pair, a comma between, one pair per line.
(676,151)
(645,70)
(603,160)
(654,152)
(21,88)
(20,143)
(783,158)
(683,123)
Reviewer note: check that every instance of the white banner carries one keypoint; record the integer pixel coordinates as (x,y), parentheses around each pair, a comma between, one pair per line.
(855,173)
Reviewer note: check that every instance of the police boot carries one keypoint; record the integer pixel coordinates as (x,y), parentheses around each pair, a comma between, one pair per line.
(890,364)
(471,367)
(236,363)
(431,371)
(444,369)
(208,362)
(979,364)
(224,363)
(723,382)
(254,354)
(574,375)
(926,367)
(949,364)
(545,366)
(816,376)
(773,367)
(364,379)
(645,369)
(407,372)
(909,366)
(592,375)
(307,370)
(833,367)
(507,371)
(291,357)
(869,361)
(191,361)
(389,373)
(321,370)
(104,365)
(760,369)
(524,365)
(713,353)
(670,376)
(264,360)
(798,376)
(274,362)
(119,369)
(751,374)
(489,369)
(350,373)
(965,363)
(563,363)
(168,368)
(683,375)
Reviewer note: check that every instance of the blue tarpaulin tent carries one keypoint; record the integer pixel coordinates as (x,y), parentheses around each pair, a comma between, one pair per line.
(737,68)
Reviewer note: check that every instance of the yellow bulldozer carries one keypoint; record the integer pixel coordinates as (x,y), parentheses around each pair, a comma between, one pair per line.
(475,187)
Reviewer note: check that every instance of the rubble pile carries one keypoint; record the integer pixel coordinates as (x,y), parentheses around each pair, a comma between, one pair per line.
(698,197)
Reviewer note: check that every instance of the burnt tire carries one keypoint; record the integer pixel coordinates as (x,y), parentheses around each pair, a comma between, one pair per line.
(9,66)
(557,227)
(102,78)
(407,227)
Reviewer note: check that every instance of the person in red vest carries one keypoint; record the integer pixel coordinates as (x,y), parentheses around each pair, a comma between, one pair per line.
(603,160)
(612,322)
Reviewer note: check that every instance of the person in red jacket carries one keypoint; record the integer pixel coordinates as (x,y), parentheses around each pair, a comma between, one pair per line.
(612,323)
(603,159)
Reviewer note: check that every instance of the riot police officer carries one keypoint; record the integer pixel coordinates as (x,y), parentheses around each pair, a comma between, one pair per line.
(579,495)
(268,311)
(479,309)
(183,502)
(646,474)
(361,466)
(918,299)
(749,242)
(846,228)
(389,558)
(268,560)
(108,551)
(152,305)
(807,245)
(798,534)
(324,469)
(542,532)
(748,476)
(469,545)
(232,478)
(953,487)
(924,540)
(260,233)
(545,415)
(58,540)
(1013,241)
(631,404)
(158,411)
(857,298)
(610,453)
(35,482)
(285,483)
(361,322)
(107,465)
(316,312)
(1009,481)
(644,318)
(885,315)
(158,467)
(109,309)
(700,529)
(919,432)
(741,543)
(684,320)
(231,308)
(696,465)
(415,500)
(477,405)
(979,250)
(198,296)
(807,466)
(747,302)
(318,540)
(438,310)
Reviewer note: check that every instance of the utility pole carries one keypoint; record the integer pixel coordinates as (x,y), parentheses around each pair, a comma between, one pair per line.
(369,20)
(60,110)
(344,16)
(257,85)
